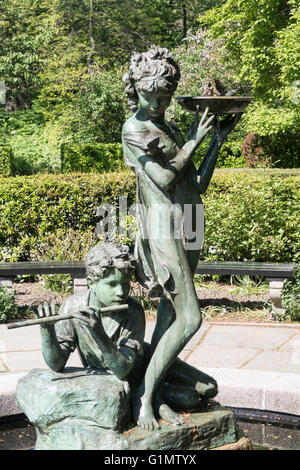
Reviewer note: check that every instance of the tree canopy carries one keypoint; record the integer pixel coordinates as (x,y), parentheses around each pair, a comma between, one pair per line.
(262,38)
(62,63)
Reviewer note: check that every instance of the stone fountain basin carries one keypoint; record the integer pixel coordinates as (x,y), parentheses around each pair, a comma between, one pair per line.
(216,104)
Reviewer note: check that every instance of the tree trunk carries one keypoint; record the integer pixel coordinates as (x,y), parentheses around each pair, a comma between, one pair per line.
(184,19)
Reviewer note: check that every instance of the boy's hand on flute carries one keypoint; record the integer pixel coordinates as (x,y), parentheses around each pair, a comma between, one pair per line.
(46,310)
(92,318)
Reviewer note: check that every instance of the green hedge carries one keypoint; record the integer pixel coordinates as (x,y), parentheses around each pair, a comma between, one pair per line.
(253,215)
(109,157)
(6,161)
(250,214)
(91,157)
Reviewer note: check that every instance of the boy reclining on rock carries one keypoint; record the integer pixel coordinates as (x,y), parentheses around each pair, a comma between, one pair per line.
(114,342)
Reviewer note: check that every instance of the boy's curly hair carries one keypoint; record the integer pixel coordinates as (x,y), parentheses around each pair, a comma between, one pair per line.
(103,258)
(149,71)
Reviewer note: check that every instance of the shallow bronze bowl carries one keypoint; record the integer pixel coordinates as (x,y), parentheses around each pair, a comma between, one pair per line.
(216,104)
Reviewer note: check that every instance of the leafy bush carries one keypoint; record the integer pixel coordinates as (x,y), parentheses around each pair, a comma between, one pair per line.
(253,215)
(291,295)
(63,245)
(33,207)
(35,143)
(230,155)
(250,214)
(91,157)
(280,151)
(8,308)
(5,161)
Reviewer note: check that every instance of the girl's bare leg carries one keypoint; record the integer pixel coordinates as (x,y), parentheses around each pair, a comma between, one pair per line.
(185,325)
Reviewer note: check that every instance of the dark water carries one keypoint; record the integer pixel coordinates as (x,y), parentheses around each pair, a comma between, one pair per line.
(17,434)
(265,436)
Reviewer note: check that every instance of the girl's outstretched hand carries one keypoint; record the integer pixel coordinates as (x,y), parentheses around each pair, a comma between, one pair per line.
(225,126)
(198,130)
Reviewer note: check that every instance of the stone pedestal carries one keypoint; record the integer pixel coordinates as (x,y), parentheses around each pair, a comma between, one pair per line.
(77,409)
(275,292)
(204,429)
(86,409)
(79,283)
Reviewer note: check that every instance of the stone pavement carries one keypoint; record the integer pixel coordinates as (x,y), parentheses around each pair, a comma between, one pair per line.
(256,365)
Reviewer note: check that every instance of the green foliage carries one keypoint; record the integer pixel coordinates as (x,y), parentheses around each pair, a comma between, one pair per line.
(22,43)
(253,215)
(92,157)
(64,244)
(247,285)
(33,207)
(98,111)
(250,214)
(8,308)
(291,296)
(262,39)
(230,155)
(6,161)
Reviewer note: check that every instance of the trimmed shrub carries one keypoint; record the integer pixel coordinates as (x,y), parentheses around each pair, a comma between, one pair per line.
(91,157)
(250,214)
(253,215)
(230,155)
(6,161)
(33,207)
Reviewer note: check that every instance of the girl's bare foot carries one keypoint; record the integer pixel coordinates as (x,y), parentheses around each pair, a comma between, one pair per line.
(143,413)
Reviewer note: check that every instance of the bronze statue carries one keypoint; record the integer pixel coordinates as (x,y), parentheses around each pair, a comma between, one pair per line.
(167,180)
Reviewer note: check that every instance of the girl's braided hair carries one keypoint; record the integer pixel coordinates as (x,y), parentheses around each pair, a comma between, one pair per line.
(149,71)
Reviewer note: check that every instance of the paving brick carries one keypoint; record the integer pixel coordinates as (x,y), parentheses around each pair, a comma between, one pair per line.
(275,361)
(293,344)
(219,356)
(20,339)
(247,337)
(2,367)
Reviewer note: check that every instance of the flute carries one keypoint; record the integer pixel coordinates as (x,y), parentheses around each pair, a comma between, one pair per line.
(66,316)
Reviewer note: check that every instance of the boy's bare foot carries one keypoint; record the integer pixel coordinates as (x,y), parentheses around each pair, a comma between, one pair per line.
(166,413)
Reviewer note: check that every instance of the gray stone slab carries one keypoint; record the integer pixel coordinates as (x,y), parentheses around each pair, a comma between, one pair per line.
(293,344)
(207,355)
(240,388)
(198,337)
(20,339)
(18,361)
(274,361)
(256,389)
(248,336)
(283,394)
(24,361)
(2,366)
